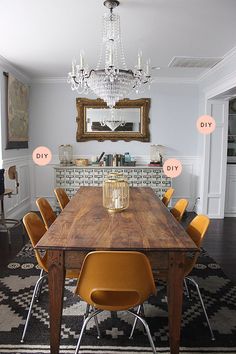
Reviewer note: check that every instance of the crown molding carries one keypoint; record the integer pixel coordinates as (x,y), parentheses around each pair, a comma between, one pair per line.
(12,69)
(227,57)
(220,86)
(175,80)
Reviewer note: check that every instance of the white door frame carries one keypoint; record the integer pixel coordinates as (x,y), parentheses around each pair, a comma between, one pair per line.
(211,94)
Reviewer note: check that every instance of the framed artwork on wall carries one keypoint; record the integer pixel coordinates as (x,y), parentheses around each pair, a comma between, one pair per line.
(17,109)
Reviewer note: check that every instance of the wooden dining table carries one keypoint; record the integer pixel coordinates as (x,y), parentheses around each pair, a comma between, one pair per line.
(146,226)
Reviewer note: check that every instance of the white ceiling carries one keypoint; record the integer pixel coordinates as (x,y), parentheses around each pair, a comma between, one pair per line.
(41,37)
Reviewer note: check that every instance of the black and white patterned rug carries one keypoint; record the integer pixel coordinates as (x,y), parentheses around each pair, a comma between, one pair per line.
(16,287)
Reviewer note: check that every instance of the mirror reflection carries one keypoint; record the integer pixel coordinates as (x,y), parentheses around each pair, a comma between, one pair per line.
(128,120)
(112,120)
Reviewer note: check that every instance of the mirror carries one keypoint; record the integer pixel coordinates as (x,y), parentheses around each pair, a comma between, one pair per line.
(128,120)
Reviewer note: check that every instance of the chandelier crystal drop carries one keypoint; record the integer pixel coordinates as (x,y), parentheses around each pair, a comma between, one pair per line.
(111,81)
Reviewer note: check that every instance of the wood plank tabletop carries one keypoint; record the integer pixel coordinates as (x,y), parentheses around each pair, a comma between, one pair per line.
(146,225)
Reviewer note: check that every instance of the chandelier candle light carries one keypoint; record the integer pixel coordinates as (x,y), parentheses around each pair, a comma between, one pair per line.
(114,81)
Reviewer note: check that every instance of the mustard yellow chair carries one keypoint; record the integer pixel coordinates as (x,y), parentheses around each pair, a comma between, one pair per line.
(179,209)
(62,197)
(46,212)
(167,196)
(197,230)
(35,230)
(115,281)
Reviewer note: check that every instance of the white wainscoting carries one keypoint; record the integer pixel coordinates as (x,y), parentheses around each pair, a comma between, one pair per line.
(42,179)
(42,182)
(19,204)
(186,184)
(230,193)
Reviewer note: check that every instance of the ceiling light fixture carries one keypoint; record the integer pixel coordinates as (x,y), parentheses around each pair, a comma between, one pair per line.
(113,81)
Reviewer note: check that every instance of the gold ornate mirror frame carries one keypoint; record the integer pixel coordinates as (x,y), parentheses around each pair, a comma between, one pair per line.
(83,104)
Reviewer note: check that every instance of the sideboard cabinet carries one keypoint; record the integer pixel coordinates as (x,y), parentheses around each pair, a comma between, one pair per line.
(71,178)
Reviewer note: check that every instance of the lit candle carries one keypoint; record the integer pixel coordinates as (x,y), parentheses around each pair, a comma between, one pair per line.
(116,199)
(117,203)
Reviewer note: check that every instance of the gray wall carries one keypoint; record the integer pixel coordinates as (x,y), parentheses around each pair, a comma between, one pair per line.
(174,110)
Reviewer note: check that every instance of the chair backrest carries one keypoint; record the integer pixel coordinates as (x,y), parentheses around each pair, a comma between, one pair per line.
(62,197)
(196,230)
(167,196)
(35,229)
(13,175)
(46,212)
(179,209)
(115,280)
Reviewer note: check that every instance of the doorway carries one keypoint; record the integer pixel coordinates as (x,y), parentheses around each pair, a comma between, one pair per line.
(216,190)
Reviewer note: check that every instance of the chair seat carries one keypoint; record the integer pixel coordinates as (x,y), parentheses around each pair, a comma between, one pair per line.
(114,300)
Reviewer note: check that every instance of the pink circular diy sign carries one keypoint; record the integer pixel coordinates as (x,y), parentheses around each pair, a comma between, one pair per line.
(172,168)
(206,124)
(42,155)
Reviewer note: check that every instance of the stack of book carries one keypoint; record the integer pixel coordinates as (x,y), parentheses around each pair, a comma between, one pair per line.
(117,160)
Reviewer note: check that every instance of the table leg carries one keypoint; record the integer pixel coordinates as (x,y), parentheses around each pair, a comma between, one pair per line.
(56,280)
(175,298)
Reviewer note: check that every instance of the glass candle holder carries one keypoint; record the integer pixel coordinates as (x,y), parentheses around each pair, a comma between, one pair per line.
(154,154)
(115,193)
(65,154)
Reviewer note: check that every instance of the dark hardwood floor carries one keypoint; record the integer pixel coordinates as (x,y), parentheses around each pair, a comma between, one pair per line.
(219,242)
(18,239)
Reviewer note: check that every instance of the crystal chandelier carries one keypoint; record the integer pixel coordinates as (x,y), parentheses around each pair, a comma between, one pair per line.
(112,81)
(112,118)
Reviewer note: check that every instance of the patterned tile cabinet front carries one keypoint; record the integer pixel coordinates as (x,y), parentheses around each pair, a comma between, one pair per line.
(71,178)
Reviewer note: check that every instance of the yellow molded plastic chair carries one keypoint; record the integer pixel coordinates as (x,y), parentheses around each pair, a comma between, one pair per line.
(115,281)
(197,230)
(46,212)
(167,196)
(35,230)
(62,197)
(179,209)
